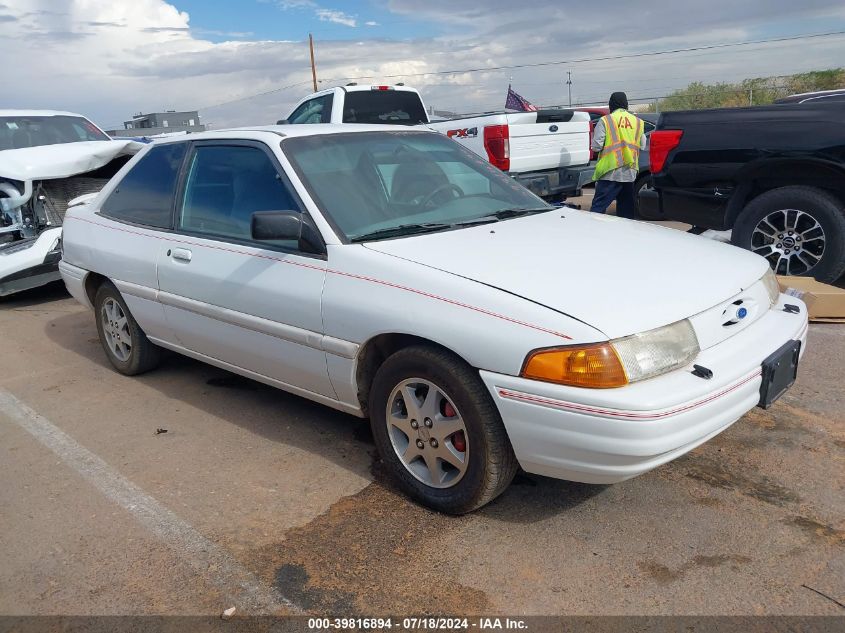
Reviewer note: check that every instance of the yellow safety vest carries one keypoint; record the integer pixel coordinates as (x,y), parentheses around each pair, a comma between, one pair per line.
(623,134)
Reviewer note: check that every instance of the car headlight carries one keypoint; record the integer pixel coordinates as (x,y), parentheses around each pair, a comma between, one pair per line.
(770,280)
(615,363)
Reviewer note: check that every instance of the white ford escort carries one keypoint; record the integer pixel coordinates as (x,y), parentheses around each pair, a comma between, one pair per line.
(396,275)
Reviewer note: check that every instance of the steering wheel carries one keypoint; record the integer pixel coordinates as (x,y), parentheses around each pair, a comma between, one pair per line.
(441,189)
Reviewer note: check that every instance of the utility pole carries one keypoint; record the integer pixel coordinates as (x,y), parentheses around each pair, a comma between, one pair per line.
(751,96)
(569,85)
(313,65)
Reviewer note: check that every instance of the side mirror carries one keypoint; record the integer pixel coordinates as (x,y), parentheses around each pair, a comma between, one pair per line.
(287,225)
(276,225)
(282,122)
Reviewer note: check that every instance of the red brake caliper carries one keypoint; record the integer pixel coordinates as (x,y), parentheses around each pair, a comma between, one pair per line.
(458,439)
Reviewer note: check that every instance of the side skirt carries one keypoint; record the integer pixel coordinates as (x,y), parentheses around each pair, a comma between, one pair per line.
(310,395)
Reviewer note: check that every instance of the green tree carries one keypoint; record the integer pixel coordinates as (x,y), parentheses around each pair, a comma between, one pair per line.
(756,91)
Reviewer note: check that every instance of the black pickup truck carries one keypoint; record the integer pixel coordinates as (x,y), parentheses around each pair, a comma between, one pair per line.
(775,175)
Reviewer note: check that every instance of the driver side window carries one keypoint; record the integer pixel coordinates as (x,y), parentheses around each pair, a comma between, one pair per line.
(225,185)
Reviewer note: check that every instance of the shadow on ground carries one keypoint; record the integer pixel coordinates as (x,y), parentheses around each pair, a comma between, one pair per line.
(35,297)
(291,420)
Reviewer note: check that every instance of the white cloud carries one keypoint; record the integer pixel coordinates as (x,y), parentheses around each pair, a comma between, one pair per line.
(337,17)
(111,58)
(371,23)
(323,14)
(295,4)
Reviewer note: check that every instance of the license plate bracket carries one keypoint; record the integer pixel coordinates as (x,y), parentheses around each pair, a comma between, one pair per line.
(779,372)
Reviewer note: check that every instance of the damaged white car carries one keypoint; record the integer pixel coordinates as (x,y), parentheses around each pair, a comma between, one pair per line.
(47,161)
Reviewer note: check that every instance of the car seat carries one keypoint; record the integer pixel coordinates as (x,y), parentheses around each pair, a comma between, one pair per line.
(413,181)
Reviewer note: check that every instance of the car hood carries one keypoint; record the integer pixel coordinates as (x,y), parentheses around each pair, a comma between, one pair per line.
(60,161)
(619,276)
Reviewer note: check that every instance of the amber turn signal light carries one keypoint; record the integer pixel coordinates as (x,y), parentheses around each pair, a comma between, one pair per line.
(595,366)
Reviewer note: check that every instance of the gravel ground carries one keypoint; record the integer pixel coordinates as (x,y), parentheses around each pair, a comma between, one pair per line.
(262,500)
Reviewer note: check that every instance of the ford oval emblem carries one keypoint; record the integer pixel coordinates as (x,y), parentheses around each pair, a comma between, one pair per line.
(741,313)
(552,128)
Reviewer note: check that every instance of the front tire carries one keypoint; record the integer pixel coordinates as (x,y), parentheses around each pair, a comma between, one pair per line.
(438,431)
(126,346)
(799,230)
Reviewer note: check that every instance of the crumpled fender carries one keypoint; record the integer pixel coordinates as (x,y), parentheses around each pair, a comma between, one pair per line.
(63,160)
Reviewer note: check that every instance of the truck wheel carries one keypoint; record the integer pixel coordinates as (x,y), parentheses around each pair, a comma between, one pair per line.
(800,230)
(438,431)
(127,347)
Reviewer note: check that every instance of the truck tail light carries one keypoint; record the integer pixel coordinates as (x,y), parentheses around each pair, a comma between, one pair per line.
(498,146)
(660,144)
(381,87)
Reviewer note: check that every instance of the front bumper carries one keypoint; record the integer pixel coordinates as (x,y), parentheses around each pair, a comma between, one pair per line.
(608,435)
(30,263)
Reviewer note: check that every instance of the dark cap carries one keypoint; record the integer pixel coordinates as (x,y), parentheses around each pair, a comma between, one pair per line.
(618,100)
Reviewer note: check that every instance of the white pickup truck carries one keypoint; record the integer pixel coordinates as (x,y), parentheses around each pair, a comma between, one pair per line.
(547,151)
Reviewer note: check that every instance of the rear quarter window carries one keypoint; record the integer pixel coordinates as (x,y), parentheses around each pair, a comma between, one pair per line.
(145,194)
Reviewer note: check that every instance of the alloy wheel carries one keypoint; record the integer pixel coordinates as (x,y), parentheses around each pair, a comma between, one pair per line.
(116,330)
(427,433)
(792,241)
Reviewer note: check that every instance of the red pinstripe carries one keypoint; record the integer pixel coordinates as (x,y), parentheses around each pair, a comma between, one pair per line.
(340,273)
(624,415)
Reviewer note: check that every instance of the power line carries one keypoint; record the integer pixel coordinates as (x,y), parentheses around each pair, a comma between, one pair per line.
(260,94)
(542,64)
(602,59)
(236,100)
(537,64)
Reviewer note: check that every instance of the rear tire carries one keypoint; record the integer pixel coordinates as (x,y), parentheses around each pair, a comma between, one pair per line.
(126,346)
(411,448)
(642,182)
(800,230)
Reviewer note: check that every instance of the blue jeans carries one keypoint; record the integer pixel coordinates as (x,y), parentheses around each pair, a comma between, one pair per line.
(607,191)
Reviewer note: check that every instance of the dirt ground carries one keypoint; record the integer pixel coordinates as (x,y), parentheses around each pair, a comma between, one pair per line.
(264,501)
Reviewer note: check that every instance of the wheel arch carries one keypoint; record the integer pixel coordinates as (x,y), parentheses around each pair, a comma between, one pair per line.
(762,176)
(93,281)
(377,349)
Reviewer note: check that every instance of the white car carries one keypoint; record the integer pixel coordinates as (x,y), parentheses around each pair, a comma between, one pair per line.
(395,274)
(47,160)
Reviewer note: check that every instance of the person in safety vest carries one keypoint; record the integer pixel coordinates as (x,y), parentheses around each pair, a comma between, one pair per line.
(618,139)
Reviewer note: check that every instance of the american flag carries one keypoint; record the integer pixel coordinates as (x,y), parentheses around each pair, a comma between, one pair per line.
(515,102)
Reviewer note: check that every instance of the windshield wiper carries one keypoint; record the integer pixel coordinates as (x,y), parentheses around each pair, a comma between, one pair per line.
(518,211)
(402,229)
(426,227)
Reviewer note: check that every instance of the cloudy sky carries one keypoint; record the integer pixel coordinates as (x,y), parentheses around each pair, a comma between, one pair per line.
(109,59)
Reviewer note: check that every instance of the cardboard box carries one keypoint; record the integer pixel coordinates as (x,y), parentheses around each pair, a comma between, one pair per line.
(825,304)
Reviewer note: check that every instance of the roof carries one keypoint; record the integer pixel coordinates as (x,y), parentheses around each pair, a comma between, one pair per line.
(11,113)
(362,87)
(289,131)
(830,95)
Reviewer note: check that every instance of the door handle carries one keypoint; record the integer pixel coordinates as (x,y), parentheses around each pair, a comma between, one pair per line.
(182,254)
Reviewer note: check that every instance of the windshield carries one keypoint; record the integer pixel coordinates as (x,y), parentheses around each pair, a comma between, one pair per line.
(18,132)
(374,182)
(396,107)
